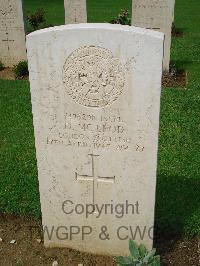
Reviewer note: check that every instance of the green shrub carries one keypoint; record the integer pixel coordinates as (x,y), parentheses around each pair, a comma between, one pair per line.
(140,256)
(21,69)
(123,18)
(1,66)
(36,19)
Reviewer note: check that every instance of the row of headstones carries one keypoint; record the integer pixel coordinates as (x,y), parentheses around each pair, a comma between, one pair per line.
(157,15)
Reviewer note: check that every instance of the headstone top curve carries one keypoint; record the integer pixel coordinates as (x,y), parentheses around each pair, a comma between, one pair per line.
(104,26)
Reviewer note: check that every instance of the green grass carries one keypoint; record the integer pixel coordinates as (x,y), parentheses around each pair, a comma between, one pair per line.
(54,9)
(18,182)
(98,11)
(178,193)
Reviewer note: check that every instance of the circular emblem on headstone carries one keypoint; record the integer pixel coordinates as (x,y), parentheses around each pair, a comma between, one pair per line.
(93,77)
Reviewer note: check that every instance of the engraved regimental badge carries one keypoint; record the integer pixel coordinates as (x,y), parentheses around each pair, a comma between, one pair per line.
(93,77)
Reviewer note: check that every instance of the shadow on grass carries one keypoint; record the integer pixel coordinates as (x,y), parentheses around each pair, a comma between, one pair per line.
(180,64)
(177,206)
(177,32)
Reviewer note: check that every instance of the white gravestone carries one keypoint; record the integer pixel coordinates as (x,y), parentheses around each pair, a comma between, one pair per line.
(156,15)
(12,35)
(96,102)
(75,11)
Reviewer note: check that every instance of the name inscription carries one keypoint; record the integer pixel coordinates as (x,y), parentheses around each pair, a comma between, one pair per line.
(89,130)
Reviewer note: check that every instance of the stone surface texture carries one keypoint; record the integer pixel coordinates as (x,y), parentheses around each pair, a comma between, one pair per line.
(173,10)
(96,102)
(12,35)
(75,11)
(156,15)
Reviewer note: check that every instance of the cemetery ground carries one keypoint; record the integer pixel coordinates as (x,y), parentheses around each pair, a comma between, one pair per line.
(178,177)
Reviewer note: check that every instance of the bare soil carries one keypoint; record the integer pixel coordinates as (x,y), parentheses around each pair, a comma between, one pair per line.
(29,251)
(175,78)
(177,251)
(8,74)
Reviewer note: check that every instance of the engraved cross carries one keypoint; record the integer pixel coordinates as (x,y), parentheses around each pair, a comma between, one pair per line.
(95,178)
(7,40)
(75,15)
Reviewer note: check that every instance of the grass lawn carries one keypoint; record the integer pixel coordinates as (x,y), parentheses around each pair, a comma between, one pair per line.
(98,11)
(178,193)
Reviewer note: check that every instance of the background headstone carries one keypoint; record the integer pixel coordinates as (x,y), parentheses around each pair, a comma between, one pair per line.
(12,35)
(96,117)
(75,11)
(156,15)
(173,10)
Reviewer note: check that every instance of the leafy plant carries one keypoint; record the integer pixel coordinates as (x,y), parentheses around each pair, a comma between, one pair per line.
(1,66)
(36,19)
(21,69)
(139,256)
(123,18)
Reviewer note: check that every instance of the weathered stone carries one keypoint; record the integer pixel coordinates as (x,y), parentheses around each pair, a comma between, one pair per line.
(75,11)
(13,241)
(55,263)
(12,36)
(156,15)
(173,10)
(95,100)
